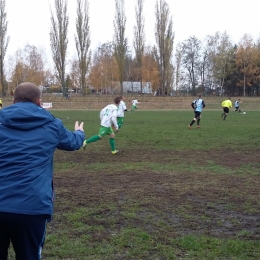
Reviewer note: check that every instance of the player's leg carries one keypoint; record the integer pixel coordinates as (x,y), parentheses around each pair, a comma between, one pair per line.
(27,235)
(112,142)
(102,132)
(131,109)
(223,112)
(226,113)
(198,120)
(93,138)
(193,121)
(120,121)
(4,236)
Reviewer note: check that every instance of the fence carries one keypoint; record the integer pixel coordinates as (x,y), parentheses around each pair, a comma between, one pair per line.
(147,102)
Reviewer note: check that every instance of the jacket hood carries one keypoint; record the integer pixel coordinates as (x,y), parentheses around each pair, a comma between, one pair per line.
(24,116)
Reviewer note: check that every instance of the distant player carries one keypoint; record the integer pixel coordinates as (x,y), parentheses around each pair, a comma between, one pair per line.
(1,104)
(197,105)
(134,105)
(108,118)
(120,113)
(226,104)
(237,108)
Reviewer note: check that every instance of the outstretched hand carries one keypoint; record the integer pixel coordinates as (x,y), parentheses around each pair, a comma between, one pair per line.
(79,127)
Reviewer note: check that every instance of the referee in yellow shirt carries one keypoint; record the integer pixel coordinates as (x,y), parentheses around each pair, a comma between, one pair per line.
(226,104)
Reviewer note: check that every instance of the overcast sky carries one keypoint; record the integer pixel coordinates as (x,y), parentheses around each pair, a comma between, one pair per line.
(29,20)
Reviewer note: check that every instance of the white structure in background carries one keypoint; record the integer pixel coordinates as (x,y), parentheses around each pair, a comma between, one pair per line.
(135,87)
(42,88)
(47,105)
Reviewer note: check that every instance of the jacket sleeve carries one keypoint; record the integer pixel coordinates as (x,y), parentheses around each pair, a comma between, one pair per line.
(70,140)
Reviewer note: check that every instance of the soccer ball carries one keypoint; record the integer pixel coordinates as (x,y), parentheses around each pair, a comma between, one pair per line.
(244,113)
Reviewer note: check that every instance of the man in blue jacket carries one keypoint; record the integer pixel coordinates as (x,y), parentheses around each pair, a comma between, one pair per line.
(29,136)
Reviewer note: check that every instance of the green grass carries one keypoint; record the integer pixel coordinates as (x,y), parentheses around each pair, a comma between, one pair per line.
(173,193)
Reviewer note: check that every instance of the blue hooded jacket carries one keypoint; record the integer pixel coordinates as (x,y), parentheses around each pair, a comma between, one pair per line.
(29,136)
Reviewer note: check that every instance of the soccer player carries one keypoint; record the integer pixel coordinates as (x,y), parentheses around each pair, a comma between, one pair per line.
(120,113)
(237,108)
(197,105)
(226,104)
(108,118)
(134,105)
(1,104)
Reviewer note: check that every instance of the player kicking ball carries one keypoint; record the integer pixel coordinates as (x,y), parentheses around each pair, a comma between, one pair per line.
(108,118)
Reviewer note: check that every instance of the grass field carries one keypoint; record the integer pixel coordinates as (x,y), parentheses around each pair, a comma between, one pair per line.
(172,193)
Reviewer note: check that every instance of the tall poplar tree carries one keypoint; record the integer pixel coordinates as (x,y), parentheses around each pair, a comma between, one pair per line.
(82,39)
(164,37)
(4,40)
(120,42)
(59,40)
(139,39)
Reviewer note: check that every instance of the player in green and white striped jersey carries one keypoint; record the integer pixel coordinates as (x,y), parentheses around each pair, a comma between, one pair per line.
(108,118)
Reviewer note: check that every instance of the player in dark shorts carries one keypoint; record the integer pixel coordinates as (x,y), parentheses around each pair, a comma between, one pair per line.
(226,104)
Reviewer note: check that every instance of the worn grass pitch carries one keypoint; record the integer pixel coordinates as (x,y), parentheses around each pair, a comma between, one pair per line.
(172,193)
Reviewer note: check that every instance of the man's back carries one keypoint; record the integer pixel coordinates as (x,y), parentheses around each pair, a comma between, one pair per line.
(227,103)
(29,136)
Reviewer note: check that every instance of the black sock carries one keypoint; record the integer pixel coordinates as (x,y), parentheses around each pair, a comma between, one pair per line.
(192,122)
(198,122)
(225,117)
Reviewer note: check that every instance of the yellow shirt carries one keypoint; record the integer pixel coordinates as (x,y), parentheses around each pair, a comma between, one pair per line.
(227,103)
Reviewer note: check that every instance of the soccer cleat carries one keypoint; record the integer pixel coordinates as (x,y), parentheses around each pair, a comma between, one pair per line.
(198,126)
(115,152)
(84,144)
(189,127)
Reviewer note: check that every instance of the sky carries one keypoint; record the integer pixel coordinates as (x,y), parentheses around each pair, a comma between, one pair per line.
(29,21)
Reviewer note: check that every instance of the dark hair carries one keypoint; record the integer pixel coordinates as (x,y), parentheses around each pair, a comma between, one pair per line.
(27,92)
(117,100)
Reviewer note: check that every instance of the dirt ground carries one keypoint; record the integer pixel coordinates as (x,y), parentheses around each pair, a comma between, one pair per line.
(167,202)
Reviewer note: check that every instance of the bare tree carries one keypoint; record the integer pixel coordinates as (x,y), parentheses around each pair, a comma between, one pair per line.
(120,42)
(178,58)
(4,40)
(139,39)
(191,60)
(59,40)
(220,51)
(29,65)
(164,39)
(82,40)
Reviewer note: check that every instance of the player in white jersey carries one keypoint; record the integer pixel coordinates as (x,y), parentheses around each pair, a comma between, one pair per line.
(134,105)
(120,113)
(108,118)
